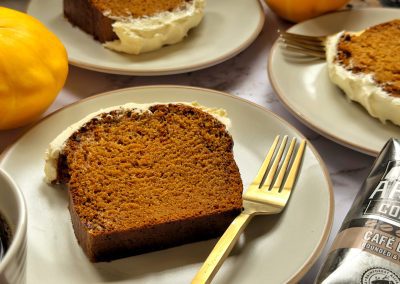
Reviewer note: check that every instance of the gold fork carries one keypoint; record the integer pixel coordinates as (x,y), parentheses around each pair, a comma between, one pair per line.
(307,45)
(260,198)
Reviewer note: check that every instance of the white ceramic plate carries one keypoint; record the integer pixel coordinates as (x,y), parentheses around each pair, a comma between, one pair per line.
(304,87)
(274,249)
(229,26)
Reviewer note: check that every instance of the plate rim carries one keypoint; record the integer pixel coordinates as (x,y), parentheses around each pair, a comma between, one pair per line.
(296,112)
(305,267)
(167,70)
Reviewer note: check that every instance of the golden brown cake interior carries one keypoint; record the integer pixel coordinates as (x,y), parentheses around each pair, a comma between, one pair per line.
(136,8)
(130,175)
(376,51)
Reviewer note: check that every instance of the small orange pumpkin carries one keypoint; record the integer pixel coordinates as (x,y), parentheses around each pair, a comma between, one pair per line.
(297,11)
(33,68)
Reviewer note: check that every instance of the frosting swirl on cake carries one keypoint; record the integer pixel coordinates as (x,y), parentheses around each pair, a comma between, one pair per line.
(143,34)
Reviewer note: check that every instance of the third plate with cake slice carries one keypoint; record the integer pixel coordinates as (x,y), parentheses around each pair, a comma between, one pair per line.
(362,62)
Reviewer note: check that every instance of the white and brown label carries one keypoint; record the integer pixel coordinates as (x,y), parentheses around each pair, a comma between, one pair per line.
(374,241)
(377,230)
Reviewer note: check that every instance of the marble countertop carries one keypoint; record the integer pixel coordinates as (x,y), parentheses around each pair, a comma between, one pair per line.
(244,76)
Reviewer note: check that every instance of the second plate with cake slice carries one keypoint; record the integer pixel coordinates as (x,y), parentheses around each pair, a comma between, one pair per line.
(217,38)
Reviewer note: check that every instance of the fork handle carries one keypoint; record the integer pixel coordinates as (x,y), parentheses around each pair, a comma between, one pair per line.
(222,249)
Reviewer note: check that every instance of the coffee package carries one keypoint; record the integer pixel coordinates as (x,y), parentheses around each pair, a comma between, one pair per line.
(366,249)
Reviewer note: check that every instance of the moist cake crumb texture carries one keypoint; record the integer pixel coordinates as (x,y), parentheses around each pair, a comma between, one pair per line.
(376,51)
(131,172)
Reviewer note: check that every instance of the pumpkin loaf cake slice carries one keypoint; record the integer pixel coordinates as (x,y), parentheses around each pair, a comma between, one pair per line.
(146,177)
(135,26)
(366,66)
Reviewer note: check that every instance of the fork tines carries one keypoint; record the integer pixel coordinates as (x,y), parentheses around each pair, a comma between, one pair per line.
(284,166)
(307,45)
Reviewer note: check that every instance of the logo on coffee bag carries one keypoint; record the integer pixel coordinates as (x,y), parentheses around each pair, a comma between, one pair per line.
(384,200)
(379,275)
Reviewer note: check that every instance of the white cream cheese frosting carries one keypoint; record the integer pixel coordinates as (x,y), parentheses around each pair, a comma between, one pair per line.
(56,146)
(139,35)
(361,87)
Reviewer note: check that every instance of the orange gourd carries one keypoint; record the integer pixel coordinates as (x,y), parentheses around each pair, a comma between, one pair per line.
(297,11)
(33,68)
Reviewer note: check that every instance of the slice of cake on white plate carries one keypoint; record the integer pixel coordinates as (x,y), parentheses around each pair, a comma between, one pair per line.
(147,177)
(135,26)
(366,66)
